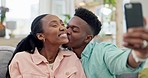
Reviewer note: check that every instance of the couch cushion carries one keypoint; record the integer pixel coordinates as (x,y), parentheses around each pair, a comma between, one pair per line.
(6,53)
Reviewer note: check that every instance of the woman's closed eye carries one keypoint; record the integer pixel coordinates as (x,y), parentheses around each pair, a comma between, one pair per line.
(54,25)
(63,24)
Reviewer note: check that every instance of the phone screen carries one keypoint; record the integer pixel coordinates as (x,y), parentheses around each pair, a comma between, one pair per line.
(133,15)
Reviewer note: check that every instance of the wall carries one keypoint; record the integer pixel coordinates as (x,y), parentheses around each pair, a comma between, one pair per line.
(56,7)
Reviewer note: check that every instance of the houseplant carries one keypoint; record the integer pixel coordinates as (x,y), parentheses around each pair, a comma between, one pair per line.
(3,11)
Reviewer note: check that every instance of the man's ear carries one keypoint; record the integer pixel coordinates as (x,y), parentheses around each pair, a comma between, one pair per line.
(40,36)
(88,38)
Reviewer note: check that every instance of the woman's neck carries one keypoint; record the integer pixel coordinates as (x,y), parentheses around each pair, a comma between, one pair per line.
(50,53)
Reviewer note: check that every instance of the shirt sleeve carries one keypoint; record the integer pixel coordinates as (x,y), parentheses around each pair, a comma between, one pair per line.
(14,70)
(116,60)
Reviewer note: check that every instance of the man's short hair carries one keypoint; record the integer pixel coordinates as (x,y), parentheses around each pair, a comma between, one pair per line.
(90,18)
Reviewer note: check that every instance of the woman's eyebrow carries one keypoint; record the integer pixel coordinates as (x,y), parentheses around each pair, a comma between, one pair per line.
(61,21)
(53,21)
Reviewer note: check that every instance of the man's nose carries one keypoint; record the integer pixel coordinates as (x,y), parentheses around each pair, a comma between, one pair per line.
(68,31)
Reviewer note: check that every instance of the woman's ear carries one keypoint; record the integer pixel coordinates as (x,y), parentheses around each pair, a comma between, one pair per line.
(40,36)
(88,38)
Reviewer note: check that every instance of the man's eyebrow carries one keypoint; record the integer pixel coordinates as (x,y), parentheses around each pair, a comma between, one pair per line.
(73,26)
(67,23)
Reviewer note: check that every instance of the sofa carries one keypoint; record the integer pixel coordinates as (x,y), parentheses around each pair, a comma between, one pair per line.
(6,53)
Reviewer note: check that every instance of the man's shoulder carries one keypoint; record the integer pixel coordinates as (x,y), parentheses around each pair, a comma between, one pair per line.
(95,48)
(103,47)
(103,44)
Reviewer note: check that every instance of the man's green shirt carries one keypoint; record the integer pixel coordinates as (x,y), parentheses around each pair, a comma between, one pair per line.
(105,60)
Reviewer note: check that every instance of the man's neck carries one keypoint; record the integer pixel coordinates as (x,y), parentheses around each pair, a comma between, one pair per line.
(79,51)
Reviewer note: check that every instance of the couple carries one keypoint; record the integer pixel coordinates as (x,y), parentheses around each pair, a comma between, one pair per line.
(39,55)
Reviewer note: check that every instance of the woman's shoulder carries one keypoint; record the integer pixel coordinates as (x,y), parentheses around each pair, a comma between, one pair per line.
(69,53)
(22,54)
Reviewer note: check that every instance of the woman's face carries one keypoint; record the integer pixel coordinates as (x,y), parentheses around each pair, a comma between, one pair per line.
(54,31)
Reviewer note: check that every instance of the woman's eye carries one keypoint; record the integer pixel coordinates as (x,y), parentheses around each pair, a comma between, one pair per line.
(54,25)
(67,27)
(63,24)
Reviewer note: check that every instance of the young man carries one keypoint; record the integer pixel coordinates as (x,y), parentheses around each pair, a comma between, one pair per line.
(105,60)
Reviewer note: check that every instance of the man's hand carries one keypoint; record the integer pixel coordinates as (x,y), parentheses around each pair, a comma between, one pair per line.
(137,40)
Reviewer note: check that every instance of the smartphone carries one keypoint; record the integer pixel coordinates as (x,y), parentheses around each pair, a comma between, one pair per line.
(133,15)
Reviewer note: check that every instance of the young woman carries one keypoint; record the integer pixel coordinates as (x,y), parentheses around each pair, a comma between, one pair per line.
(39,54)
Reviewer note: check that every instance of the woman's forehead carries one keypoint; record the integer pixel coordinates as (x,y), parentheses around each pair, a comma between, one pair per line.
(51,18)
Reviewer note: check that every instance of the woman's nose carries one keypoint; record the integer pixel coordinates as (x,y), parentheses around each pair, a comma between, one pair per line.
(63,29)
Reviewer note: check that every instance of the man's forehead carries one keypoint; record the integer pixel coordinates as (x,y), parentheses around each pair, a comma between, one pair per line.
(80,23)
(77,20)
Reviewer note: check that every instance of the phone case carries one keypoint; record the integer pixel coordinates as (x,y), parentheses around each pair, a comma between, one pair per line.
(133,15)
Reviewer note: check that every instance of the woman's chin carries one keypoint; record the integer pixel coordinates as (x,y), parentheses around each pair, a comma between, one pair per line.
(65,41)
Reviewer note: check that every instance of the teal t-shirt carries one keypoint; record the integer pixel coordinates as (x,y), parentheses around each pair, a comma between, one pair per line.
(105,60)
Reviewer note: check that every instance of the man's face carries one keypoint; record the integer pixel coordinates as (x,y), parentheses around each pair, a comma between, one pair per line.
(77,32)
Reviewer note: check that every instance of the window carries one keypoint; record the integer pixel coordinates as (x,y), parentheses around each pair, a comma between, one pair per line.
(22,12)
